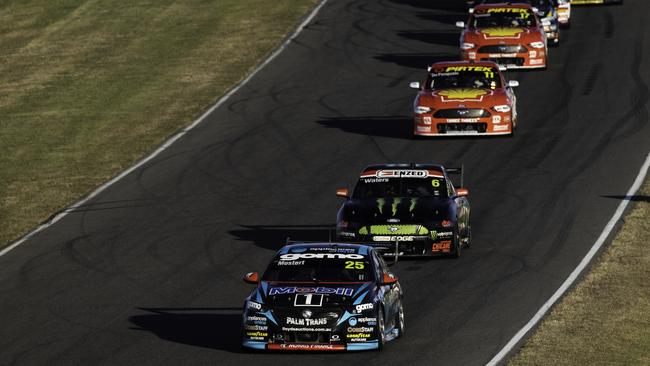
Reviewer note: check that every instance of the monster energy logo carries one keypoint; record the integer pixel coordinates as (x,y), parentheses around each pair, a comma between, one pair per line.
(396,230)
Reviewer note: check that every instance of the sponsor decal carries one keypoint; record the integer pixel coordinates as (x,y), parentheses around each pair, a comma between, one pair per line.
(443,246)
(352,321)
(256,327)
(256,319)
(383,238)
(362,307)
(306,322)
(501,128)
(536,61)
(306,347)
(532,54)
(314,290)
(445,234)
(254,305)
(506,10)
(358,337)
(409,173)
(496,119)
(291,263)
(468,68)
(465,120)
(335,338)
(347,234)
(375,180)
(257,334)
(308,300)
(426,120)
(296,256)
(305,329)
(462,94)
(370,321)
(360,329)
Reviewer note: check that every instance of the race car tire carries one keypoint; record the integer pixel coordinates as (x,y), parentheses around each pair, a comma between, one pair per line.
(399,321)
(468,239)
(381,339)
(456,245)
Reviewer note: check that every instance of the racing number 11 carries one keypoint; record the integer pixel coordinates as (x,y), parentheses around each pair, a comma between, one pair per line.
(353,265)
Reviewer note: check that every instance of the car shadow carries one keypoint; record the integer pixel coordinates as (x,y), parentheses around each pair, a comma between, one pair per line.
(273,237)
(384,126)
(416,60)
(215,328)
(433,37)
(634,198)
(444,18)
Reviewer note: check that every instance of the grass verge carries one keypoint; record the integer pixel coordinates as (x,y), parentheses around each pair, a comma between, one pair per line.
(87,87)
(605,320)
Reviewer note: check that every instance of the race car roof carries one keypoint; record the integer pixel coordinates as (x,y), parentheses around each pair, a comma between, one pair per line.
(326,248)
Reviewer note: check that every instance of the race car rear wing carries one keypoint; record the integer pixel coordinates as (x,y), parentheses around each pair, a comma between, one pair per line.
(459,171)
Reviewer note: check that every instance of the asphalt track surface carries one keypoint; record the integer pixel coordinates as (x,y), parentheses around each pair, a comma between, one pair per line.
(148,272)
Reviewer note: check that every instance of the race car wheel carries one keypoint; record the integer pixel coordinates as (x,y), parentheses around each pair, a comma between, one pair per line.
(399,321)
(381,339)
(468,238)
(456,245)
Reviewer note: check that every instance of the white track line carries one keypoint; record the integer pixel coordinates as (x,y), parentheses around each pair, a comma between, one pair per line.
(577,271)
(170,141)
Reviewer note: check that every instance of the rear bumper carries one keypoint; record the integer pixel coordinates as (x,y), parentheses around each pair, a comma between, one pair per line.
(313,347)
(534,59)
(497,124)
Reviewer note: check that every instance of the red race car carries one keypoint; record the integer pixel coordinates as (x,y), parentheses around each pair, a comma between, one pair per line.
(509,34)
(465,98)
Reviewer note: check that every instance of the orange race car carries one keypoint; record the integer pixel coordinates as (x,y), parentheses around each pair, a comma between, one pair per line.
(509,34)
(465,98)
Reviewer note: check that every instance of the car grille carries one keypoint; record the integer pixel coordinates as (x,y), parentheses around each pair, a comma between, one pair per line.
(518,61)
(503,49)
(461,113)
(462,127)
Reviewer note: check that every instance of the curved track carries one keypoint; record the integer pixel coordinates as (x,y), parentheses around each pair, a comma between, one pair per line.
(149,271)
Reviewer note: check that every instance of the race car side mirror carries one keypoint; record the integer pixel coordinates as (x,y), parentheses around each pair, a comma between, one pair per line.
(414,85)
(462,192)
(251,277)
(389,279)
(513,83)
(460,24)
(343,192)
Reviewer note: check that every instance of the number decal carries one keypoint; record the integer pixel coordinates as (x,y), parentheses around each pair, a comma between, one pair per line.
(435,182)
(489,74)
(353,265)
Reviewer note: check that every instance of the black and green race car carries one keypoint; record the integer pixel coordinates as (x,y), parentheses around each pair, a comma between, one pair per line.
(406,210)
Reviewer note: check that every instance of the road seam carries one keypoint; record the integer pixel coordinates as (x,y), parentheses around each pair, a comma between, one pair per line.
(611,224)
(63,213)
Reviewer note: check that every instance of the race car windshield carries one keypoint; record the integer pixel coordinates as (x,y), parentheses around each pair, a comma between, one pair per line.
(544,6)
(400,187)
(465,79)
(503,19)
(317,270)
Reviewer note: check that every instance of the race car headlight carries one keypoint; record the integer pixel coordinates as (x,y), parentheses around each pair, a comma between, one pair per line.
(467,46)
(502,108)
(537,44)
(422,109)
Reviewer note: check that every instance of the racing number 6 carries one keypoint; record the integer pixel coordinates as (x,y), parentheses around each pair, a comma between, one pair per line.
(353,265)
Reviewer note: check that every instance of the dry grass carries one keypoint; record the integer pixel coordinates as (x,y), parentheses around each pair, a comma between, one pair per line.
(87,87)
(605,320)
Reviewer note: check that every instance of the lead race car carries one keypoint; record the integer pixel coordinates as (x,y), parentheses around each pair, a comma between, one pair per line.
(509,34)
(407,210)
(323,297)
(464,98)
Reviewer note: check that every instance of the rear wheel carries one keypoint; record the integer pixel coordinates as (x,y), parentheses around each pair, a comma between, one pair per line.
(380,330)
(399,321)
(456,244)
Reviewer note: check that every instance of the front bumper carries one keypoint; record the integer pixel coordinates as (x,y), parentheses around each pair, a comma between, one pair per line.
(534,59)
(497,124)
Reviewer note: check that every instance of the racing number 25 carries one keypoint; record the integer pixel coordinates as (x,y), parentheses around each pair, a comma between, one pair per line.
(353,265)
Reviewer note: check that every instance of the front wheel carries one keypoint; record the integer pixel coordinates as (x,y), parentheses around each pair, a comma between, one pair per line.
(399,321)
(456,245)
(381,339)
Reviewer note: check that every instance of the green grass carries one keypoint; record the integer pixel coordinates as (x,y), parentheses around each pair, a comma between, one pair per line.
(605,320)
(89,87)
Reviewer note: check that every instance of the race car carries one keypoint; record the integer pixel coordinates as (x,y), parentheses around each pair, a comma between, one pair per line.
(406,210)
(509,34)
(564,12)
(323,297)
(547,11)
(587,2)
(464,98)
